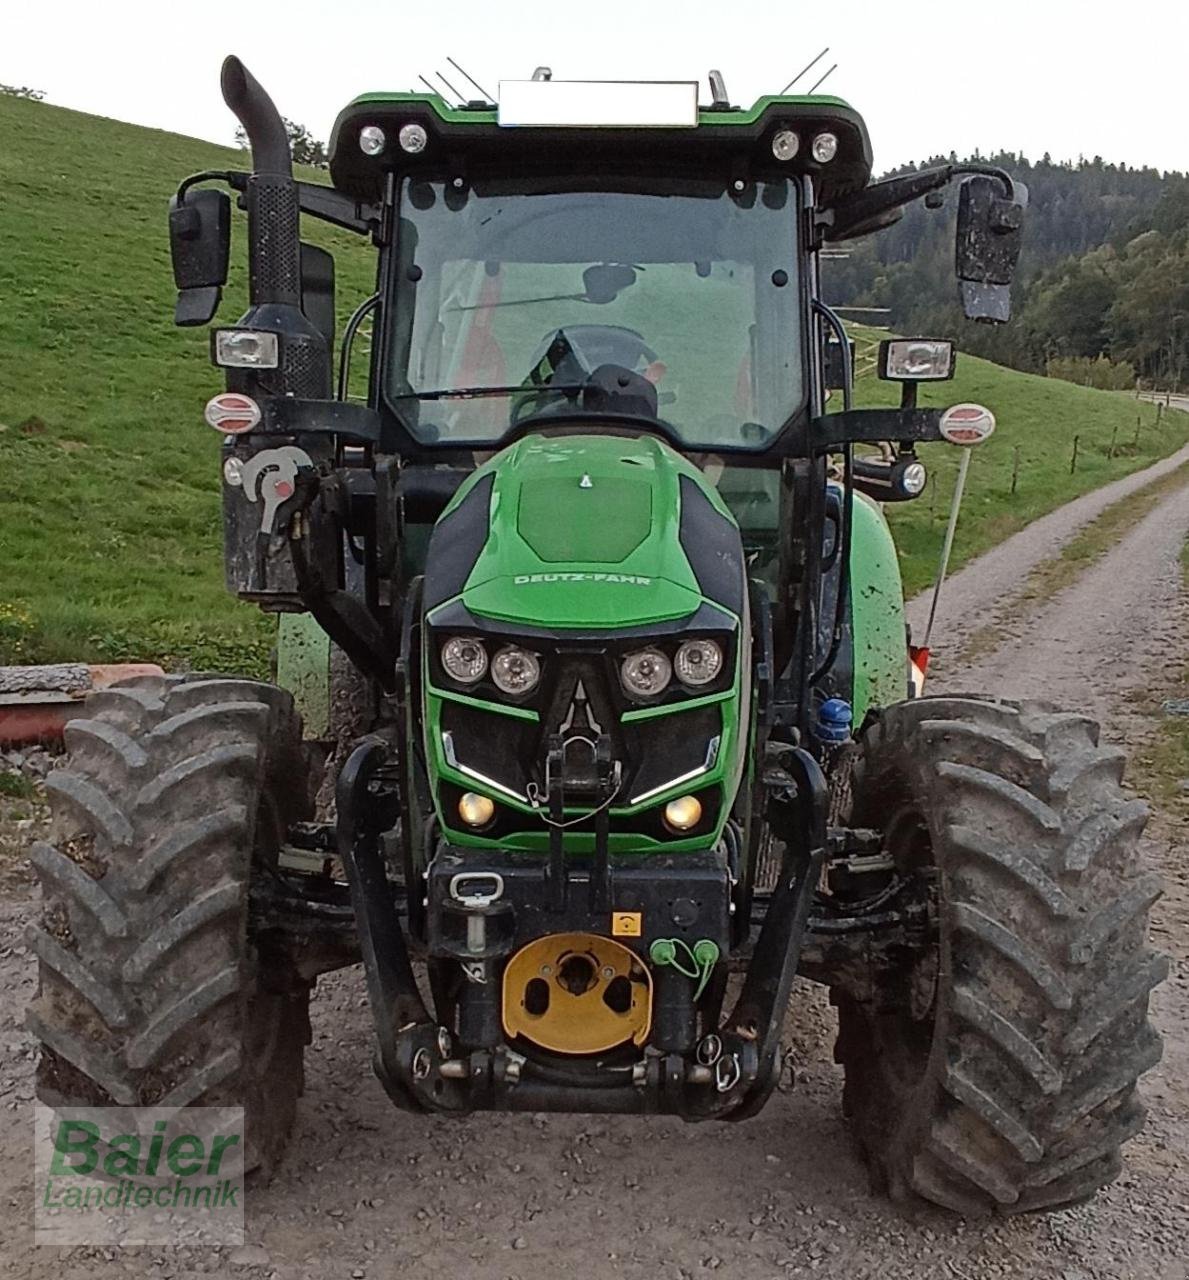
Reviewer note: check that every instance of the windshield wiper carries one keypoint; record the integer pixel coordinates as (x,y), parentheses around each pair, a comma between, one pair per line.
(475,393)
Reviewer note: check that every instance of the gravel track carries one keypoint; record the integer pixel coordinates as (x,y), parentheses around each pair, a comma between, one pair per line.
(973,597)
(369,1192)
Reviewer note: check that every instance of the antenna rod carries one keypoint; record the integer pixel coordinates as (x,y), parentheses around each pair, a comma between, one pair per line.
(460,96)
(486,96)
(435,91)
(948,544)
(824,79)
(806,68)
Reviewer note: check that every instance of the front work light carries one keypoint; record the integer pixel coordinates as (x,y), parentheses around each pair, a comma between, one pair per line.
(372,140)
(464,659)
(475,810)
(784,144)
(916,359)
(245,349)
(825,147)
(412,138)
(683,814)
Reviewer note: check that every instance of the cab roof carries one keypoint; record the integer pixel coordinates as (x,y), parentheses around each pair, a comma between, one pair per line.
(735,141)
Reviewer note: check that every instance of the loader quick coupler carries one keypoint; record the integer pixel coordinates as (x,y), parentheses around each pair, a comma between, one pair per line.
(585,1000)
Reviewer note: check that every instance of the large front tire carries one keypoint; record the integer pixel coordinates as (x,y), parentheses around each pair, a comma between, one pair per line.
(998,1073)
(151,991)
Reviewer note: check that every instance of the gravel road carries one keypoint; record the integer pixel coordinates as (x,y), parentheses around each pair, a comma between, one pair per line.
(369,1192)
(973,597)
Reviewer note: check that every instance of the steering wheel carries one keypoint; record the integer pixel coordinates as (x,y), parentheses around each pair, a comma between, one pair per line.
(597,344)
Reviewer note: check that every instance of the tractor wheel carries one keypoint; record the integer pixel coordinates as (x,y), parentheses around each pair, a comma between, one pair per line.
(997,1073)
(151,991)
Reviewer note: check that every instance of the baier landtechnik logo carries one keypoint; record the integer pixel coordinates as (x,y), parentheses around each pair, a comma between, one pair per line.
(139,1175)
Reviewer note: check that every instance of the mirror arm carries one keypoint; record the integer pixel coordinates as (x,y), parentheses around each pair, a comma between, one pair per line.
(234,179)
(871,208)
(324,203)
(989,171)
(879,200)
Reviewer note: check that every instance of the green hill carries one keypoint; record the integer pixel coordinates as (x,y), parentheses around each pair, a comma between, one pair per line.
(110,537)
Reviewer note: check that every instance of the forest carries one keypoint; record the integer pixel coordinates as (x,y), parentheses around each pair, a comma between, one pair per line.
(1102,291)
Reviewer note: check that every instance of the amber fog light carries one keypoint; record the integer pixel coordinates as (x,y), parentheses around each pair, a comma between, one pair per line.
(683,814)
(475,810)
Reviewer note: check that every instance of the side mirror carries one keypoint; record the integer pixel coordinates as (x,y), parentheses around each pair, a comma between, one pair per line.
(317,290)
(199,244)
(836,364)
(990,227)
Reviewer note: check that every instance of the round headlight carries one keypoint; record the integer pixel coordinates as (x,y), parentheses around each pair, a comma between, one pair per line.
(825,147)
(784,144)
(464,659)
(515,670)
(371,139)
(412,138)
(698,662)
(913,478)
(646,673)
(475,810)
(683,813)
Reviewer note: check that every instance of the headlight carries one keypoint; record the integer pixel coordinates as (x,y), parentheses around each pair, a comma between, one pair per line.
(645,674)
(246,349)
(515,671)
(698,662)
(464,659)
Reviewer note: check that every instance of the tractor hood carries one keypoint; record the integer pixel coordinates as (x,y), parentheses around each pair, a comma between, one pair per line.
(586,532)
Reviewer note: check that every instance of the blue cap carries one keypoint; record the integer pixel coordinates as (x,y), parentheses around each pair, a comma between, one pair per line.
(834,720)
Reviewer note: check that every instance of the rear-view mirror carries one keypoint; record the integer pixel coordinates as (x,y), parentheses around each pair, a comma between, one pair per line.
(837,362)
(990,229)
(199,244)
(317,289)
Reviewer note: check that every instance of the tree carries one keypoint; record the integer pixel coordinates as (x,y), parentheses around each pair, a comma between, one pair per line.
(304,147)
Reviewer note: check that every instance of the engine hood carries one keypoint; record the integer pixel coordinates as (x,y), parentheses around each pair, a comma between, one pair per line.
(586,532)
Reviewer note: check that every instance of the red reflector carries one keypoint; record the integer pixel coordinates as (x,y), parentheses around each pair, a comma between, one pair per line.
(918,660)
(967,424)
(232,413)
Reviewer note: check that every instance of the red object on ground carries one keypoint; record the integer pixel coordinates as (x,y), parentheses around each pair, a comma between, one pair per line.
(36,702)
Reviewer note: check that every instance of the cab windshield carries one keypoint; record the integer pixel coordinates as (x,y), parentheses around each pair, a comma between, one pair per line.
(509,298)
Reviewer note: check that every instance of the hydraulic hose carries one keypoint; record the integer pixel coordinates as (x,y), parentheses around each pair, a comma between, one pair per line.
(847,496)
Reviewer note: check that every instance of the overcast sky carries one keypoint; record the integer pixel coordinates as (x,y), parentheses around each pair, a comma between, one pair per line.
(1068,78)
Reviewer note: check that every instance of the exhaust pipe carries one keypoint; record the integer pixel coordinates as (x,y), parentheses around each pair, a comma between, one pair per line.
(274,231)
(304,369)
(257,112)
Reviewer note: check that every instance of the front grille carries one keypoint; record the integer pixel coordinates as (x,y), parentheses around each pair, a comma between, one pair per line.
(511,753)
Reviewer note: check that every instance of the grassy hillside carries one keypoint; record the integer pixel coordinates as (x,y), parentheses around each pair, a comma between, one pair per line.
(1038,419)
(110,540)
(110,534)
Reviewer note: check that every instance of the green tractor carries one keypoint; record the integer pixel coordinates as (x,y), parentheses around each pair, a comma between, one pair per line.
(615,730)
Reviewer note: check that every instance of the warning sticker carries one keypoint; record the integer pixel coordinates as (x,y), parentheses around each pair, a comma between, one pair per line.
(626,924)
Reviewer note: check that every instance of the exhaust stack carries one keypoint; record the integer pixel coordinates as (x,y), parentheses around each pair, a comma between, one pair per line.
(274,232)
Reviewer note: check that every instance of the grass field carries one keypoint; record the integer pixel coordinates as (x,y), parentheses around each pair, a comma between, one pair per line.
(110,538)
